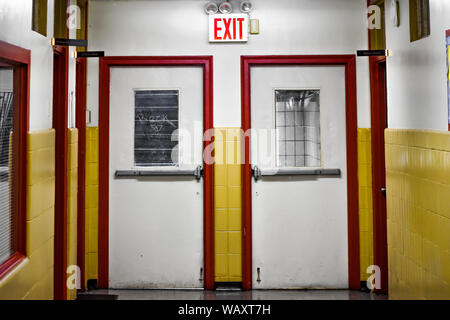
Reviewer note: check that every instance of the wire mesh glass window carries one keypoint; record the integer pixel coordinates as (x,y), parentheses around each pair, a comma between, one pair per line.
(156,128)
(297,122)
(7,218)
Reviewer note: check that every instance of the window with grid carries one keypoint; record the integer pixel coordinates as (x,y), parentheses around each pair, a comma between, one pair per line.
(7,218)
(297,123)
(156,128)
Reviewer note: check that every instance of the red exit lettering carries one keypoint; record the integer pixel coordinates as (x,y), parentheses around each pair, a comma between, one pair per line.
(228,28)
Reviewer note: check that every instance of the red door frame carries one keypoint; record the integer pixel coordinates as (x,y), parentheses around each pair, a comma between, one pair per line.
(349,61)
(377,67)
(208,184)
(80,89)
(19,59)
(60,119)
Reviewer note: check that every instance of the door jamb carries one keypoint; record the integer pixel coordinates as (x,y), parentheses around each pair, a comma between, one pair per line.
(378,115)
(208,184)
(80,118)
(349,61)
(60,121)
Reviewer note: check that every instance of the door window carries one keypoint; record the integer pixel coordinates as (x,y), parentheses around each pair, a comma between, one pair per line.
(156,128)
(297,122)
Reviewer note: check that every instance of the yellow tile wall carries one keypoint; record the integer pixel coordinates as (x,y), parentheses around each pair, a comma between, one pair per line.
(91,263)
(72,191)
(365,201)
(33,278)
(418,212)
(227,205)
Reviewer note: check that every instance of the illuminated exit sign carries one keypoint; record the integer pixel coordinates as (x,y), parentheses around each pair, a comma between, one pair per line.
(228,28)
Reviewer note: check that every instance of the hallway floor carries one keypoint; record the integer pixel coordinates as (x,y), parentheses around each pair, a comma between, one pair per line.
(232,295)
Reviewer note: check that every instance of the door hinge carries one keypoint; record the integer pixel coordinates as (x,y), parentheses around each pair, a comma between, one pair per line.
(201,275)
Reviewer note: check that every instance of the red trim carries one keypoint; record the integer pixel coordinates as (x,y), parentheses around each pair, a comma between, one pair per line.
(60,124)
(9,265)
(104,83)
(80,119)
(21,121)
(349,61)
(18,58)
(14,55)
(81,82)
(60,115)
(379,124)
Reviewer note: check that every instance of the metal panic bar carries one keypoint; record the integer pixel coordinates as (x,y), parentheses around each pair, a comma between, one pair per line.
(197,173)
(258,173)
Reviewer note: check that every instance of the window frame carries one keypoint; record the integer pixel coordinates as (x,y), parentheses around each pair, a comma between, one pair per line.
(18,58)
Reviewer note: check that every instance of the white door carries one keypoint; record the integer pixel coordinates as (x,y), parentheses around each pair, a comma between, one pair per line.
(299,222)
(156,223)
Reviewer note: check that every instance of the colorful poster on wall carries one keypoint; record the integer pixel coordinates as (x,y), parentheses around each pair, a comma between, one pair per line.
(448,74)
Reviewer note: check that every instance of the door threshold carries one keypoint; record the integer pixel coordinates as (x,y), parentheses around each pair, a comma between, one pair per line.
(228,286)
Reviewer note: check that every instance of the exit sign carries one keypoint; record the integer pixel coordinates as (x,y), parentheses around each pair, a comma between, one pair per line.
(228,28)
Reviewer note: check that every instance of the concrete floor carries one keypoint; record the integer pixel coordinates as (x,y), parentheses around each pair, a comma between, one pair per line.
(238,295)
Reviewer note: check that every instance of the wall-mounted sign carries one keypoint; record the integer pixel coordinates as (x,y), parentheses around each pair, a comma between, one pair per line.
(69,42)
(90,54)
(372,53)
(228,28)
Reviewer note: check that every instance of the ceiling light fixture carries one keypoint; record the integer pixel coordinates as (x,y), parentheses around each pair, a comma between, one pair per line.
(225,7)
(211,8)
(246,6)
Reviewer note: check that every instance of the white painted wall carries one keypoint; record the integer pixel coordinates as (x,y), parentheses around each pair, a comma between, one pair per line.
(417,71)
(181,28)
(15,28)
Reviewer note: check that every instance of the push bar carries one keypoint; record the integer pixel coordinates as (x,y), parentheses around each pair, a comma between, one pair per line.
(258,173)
(197,173)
